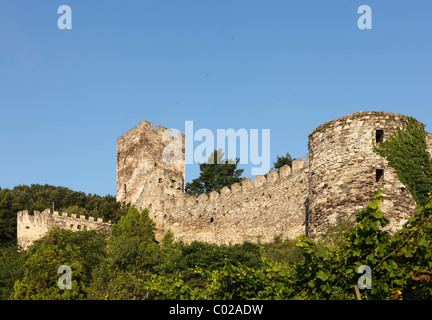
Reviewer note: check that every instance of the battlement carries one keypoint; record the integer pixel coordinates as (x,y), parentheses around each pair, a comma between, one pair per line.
(31,227)
(243,212)
(358,119)
(143,171)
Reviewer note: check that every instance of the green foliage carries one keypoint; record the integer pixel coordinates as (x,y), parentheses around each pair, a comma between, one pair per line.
(88,248)
(270,281)
(115,284)
(135,223)
(132,253)
(81,251)
(132,245)
(215,174)
(407,153)
(163,288)
(186,259)
(168,239)
(8,213)
(281,161)
(40,197)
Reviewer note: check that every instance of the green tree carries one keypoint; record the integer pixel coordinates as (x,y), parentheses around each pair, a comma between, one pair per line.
(40,280)
(281,161)
(7,219)
(184,261)
(135,223)
(215,174)
(89,249)
(270,281)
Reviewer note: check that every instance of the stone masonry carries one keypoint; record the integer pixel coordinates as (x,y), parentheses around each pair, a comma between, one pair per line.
(249,211)
(31,227)
(341,176)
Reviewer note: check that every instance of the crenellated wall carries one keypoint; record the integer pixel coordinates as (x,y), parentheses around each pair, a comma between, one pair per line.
(267,207)
(339,179)
(32,227)
(144,178)
(341,176)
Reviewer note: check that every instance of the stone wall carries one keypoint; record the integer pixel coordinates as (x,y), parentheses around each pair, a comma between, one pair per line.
(249,211)
(32,227)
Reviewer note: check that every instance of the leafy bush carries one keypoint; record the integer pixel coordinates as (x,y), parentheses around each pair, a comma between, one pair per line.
(406,151)
(331,272)
(131,264)
(40,197)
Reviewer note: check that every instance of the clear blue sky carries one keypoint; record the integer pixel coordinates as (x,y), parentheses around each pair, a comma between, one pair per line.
(67,95)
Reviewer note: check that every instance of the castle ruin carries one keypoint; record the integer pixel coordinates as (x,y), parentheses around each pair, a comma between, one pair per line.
(340,177)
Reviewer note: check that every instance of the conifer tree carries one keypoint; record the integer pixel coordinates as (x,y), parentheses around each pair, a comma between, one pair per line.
(214,176)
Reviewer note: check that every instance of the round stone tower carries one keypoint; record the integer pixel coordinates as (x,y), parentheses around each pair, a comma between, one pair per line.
(345,172)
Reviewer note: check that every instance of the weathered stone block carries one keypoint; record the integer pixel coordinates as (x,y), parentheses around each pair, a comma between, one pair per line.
(225,191)
(203,198)
(190,201)
(33,227)
(259,181)
(214,195)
